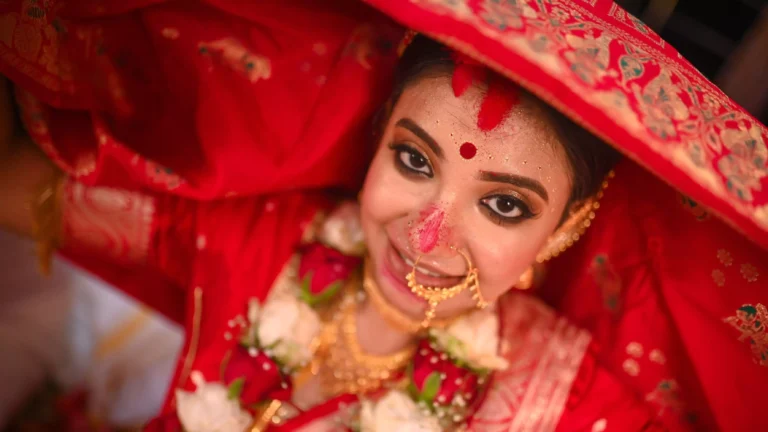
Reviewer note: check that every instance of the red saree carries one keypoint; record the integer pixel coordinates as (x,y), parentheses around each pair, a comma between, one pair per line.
(667,291)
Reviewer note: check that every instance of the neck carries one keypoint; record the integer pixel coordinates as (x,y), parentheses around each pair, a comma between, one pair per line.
(376,336)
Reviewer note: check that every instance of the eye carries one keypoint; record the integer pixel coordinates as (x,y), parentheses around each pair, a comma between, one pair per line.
(411,161)
(505,209)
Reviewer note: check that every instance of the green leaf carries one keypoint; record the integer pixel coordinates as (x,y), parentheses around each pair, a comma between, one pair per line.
(236,388)
(305,282)
(413,392)
(431,387)
(328,294)
(304,294)
(306,297)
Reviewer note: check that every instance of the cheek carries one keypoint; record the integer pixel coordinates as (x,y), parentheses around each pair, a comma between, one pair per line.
(385,196)
(503,258)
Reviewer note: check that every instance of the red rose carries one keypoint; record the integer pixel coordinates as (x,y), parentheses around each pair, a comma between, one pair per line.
(322,271)
(166,423)
(254,377)
(438,379)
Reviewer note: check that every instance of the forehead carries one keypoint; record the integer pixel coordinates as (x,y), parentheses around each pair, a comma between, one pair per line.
(525,132)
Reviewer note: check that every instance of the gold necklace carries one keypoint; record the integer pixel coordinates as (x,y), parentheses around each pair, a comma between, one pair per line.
(343,365)
(392,315)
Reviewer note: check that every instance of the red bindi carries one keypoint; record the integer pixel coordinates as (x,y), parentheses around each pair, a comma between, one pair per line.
(468,150)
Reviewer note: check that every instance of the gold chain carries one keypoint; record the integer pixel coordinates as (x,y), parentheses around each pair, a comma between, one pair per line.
(343,365)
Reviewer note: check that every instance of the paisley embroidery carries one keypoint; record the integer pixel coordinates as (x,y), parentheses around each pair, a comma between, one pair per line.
(745,165)
(590,57)
(662,107)
(362,45)
(666,396)
(110,220)
(635,349)
(627,18)
(694,208)
(749,272)
(163,176)
(648,90)
(750,321)
(608,281)
(231,53)
(171,33)
(719,277)
(657,357)
(506,14)
(631,367)
(725,257)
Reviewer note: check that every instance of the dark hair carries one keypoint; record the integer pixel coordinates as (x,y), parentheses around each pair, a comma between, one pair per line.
(589,157)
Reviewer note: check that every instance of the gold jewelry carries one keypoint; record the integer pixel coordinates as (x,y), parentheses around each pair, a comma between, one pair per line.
(526,279)
(436,295)
(46,212)
(392,315)
(574,227)
(343,365)
(263,420)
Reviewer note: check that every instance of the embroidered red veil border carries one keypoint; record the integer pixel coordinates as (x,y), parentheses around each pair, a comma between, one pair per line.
(671,285)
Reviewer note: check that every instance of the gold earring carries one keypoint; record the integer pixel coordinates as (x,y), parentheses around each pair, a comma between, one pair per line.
(435,295)
(526,279)
(574,227)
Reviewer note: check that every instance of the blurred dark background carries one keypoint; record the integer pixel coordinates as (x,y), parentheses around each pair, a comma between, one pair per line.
(727,40)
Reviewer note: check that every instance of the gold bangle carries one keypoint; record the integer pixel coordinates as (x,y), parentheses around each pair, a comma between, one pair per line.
(47,218)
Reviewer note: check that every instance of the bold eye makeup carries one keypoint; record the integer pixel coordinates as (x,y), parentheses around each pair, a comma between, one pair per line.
(410,161)
(506,209)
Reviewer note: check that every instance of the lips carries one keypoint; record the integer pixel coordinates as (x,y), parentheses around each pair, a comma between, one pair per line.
(401,264)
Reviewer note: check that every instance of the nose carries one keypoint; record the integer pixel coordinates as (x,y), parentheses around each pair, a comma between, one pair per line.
(430,233)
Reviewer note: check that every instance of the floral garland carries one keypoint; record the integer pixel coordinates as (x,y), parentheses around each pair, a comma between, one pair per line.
(439,390)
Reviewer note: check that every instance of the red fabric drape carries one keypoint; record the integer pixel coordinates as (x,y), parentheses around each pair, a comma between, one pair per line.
(214,99)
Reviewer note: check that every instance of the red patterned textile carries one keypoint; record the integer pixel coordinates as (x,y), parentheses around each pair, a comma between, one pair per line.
(212,99)
(203,99)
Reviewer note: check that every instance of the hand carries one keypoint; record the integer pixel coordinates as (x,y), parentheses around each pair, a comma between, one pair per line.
(23,168)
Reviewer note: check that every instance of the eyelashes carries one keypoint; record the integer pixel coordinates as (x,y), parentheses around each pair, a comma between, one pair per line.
(501,209)
(506,209)
(410,161)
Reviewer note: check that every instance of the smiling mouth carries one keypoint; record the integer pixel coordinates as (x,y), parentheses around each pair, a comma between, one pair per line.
(425,271)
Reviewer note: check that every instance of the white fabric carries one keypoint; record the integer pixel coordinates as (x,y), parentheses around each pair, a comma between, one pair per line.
(59,327)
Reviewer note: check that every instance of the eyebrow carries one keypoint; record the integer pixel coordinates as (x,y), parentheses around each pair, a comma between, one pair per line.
(516,180)
(411,125)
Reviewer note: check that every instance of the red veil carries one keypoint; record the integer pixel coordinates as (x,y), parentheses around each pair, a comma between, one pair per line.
(219,98)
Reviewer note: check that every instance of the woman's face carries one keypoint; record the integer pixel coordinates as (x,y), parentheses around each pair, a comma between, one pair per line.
(439,185)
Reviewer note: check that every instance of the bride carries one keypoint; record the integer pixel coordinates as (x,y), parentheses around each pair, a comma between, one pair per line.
(406,310)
